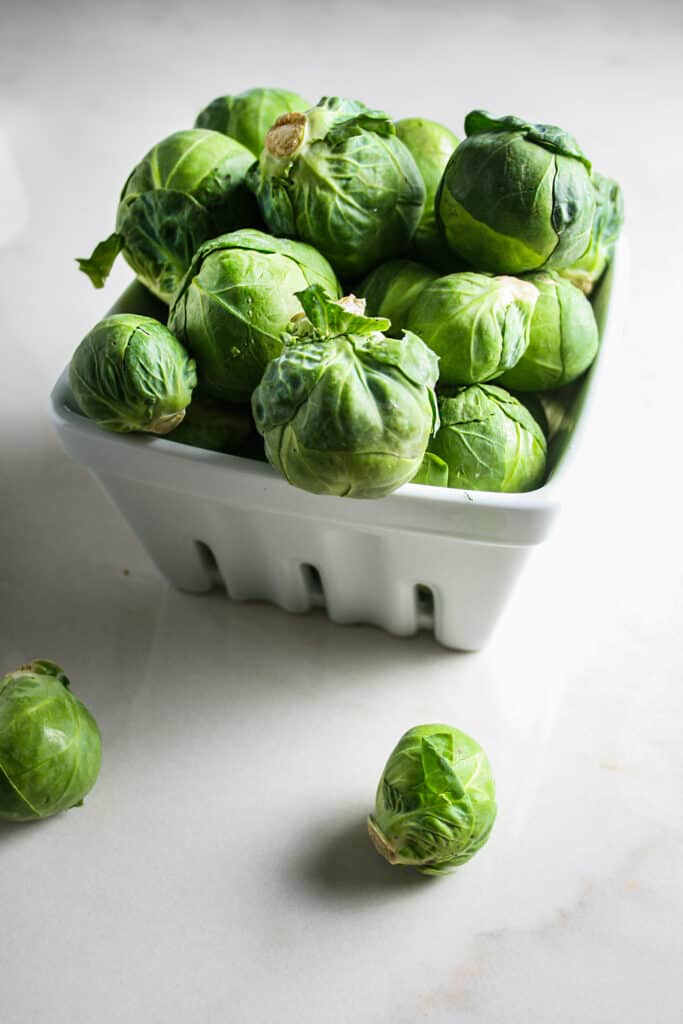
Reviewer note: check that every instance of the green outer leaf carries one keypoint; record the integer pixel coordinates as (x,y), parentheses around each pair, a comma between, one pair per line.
(366,121)
(203,164)
(44,667)
(563,339)
(329,319)
(247,116)
(392,288)
(433,471)
(288,381)
(130,373)
(236,301)
(573,212)
(161,230)
(252,240)
(435,804)
(478,122)
(50,746)
(586,271)
(98,265)
(333,110)
(409,354)
(490,441)
(273,195)
(347,474)
(478,325)
(438,772)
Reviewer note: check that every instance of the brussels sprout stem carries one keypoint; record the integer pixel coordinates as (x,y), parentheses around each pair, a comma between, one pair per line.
(352,304)
(380,843)
(286,135)
(165,424)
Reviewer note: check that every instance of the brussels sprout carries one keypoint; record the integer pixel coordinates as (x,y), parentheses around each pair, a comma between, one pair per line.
(516,196)
(436,801)
(563,338)
(339,178)
(188,188)
(213,425)
(489,441)
(609,216)
(345,410)
(236,300)
(50,746)
(391,289)
(477,325)
(130,373)
(536,408)
(433,471)
(431,145)
(248,115)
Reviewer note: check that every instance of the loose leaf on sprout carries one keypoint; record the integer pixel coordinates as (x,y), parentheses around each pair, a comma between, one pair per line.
(433,472)
(409,354)
(98,265)
(272,192)
(288,381)
(548,135)
(163,228)
(372,120)
(41,666)
(438,772)
(330,319)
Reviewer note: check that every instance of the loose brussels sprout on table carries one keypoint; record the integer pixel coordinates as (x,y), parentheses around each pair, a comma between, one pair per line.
(391,289)
(189,187)
(516,196)
(563,338)
(431,145)
(339,178)
(489,441)
(236,300)
(345,410)
(436,801)
(50,746)
(130,373)
(478,325)
(607,222)
(248,115)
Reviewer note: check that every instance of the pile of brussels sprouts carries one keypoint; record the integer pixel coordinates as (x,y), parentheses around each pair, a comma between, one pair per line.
(362,302)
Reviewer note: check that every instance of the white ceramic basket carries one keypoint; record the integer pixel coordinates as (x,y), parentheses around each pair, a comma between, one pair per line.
(424,557)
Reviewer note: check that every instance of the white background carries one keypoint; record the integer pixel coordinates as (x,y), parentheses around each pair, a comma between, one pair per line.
(219,872)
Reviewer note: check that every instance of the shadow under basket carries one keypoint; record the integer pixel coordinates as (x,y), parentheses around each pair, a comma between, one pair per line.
(423,557)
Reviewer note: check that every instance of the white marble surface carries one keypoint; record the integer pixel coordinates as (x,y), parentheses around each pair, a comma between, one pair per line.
(219,871)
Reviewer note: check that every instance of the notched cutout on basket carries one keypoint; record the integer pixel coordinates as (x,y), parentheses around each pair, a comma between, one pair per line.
(209,564)
(424,604)
(314,584)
